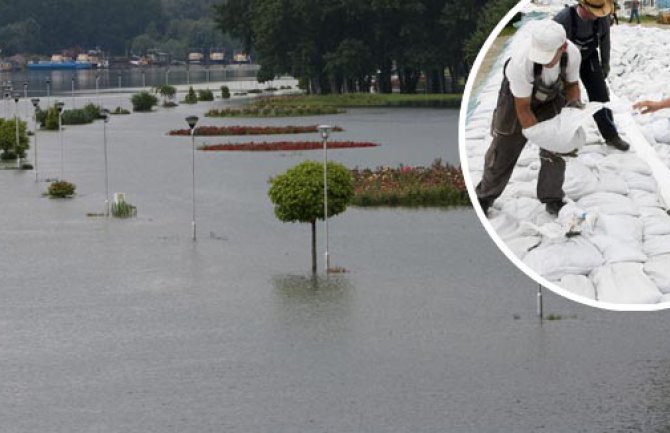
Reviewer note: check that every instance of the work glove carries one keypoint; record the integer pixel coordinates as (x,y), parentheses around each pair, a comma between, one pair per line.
(606,69)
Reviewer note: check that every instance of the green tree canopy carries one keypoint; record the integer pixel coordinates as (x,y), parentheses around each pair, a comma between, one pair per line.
(298,194)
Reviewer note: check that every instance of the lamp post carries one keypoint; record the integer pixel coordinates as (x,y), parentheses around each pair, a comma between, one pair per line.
(325,132)
(25,95)
(120,80)
(167,77)
(97,87)
(192,121)
(17,97)
(73,103)
(36,105)
(144,78)
(48,83)
(59,107)
(105,116)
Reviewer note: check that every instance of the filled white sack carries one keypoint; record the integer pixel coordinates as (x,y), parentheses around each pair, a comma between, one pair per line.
(607,202)
(661,130)
(625,283)
(575,256)
(521,245)
(564,132)
(658,269)
(656,245)
(579,285)
(619,238)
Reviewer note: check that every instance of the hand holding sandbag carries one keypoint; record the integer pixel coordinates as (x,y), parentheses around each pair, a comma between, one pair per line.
(563,133)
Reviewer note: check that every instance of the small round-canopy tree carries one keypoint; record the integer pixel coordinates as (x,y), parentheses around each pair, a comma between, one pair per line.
(8,144)
(298,194)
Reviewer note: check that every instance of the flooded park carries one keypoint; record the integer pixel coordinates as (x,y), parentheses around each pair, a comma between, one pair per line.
(113,325)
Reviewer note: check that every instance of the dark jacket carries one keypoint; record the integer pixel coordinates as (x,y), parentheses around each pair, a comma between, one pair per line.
(601,25)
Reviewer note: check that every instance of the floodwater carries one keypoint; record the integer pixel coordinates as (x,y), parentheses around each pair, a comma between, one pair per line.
(129,326)
(63,82)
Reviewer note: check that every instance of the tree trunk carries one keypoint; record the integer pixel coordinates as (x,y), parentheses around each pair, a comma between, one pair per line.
(314,246)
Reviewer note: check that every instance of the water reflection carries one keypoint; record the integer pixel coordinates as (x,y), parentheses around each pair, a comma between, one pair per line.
(321,306)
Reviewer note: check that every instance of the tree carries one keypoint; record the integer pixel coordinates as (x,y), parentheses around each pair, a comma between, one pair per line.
(298,194)
(8,139)
(143,101)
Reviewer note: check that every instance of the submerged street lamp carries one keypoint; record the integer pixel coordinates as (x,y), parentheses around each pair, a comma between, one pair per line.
(36,105)
(59,107)
(73,103)
(17,97)
(48,83)
(192,121)
(105,117)
(325,130)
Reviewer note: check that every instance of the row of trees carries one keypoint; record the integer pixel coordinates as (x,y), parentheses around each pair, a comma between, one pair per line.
(341,45)
(119,26)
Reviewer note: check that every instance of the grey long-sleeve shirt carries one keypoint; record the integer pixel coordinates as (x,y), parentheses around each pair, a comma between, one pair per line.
(585,29)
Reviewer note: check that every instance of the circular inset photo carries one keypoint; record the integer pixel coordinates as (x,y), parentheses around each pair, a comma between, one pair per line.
(565,148)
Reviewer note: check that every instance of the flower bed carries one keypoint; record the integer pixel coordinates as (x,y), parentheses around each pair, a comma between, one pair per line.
(273,111)
(249,130)
(285,145)
(437,185)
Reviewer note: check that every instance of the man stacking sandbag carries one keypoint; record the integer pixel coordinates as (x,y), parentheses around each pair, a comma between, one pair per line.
(587,26)
(538,80)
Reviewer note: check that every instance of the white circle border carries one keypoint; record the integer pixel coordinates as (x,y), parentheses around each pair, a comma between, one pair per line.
(473,195)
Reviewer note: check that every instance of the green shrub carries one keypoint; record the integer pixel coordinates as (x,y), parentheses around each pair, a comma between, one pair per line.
(205,95)
(118,111)
(123,210)
(61,189)
(225,92)
(77,117)
(95,111)
(170,104)
(191,97)
(143,101)
(167,92)
(8,139)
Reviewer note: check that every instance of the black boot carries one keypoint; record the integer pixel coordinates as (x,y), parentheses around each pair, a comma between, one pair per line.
(485,203)
(553,207)
(618,143)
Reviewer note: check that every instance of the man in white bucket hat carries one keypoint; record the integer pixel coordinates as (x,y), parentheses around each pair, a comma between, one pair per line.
(539,79)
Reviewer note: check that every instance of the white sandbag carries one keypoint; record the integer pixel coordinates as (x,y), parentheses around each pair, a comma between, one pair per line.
(656,245)
(575,256)
(656,224)
(579,180)
(564,132)
(620,162)
(521,245)
(658,269)
(645,182)
(523,174)
(661,130)
(523,208)
(612,182)
(644,198)
(625,283)
(619,238)
(610,203)
(579,285)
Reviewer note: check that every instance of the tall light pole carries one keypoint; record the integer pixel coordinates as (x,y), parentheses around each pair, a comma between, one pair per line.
(325,132)
(120,80)
(105,115)
(36,105)
(97,87)
(73,103)
(59,108)
(192,121)
(25,95)
(144,78)
(17,97)
(48,83)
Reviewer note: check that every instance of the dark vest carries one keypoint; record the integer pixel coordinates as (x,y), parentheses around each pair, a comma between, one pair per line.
(587,45)
(543,93)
